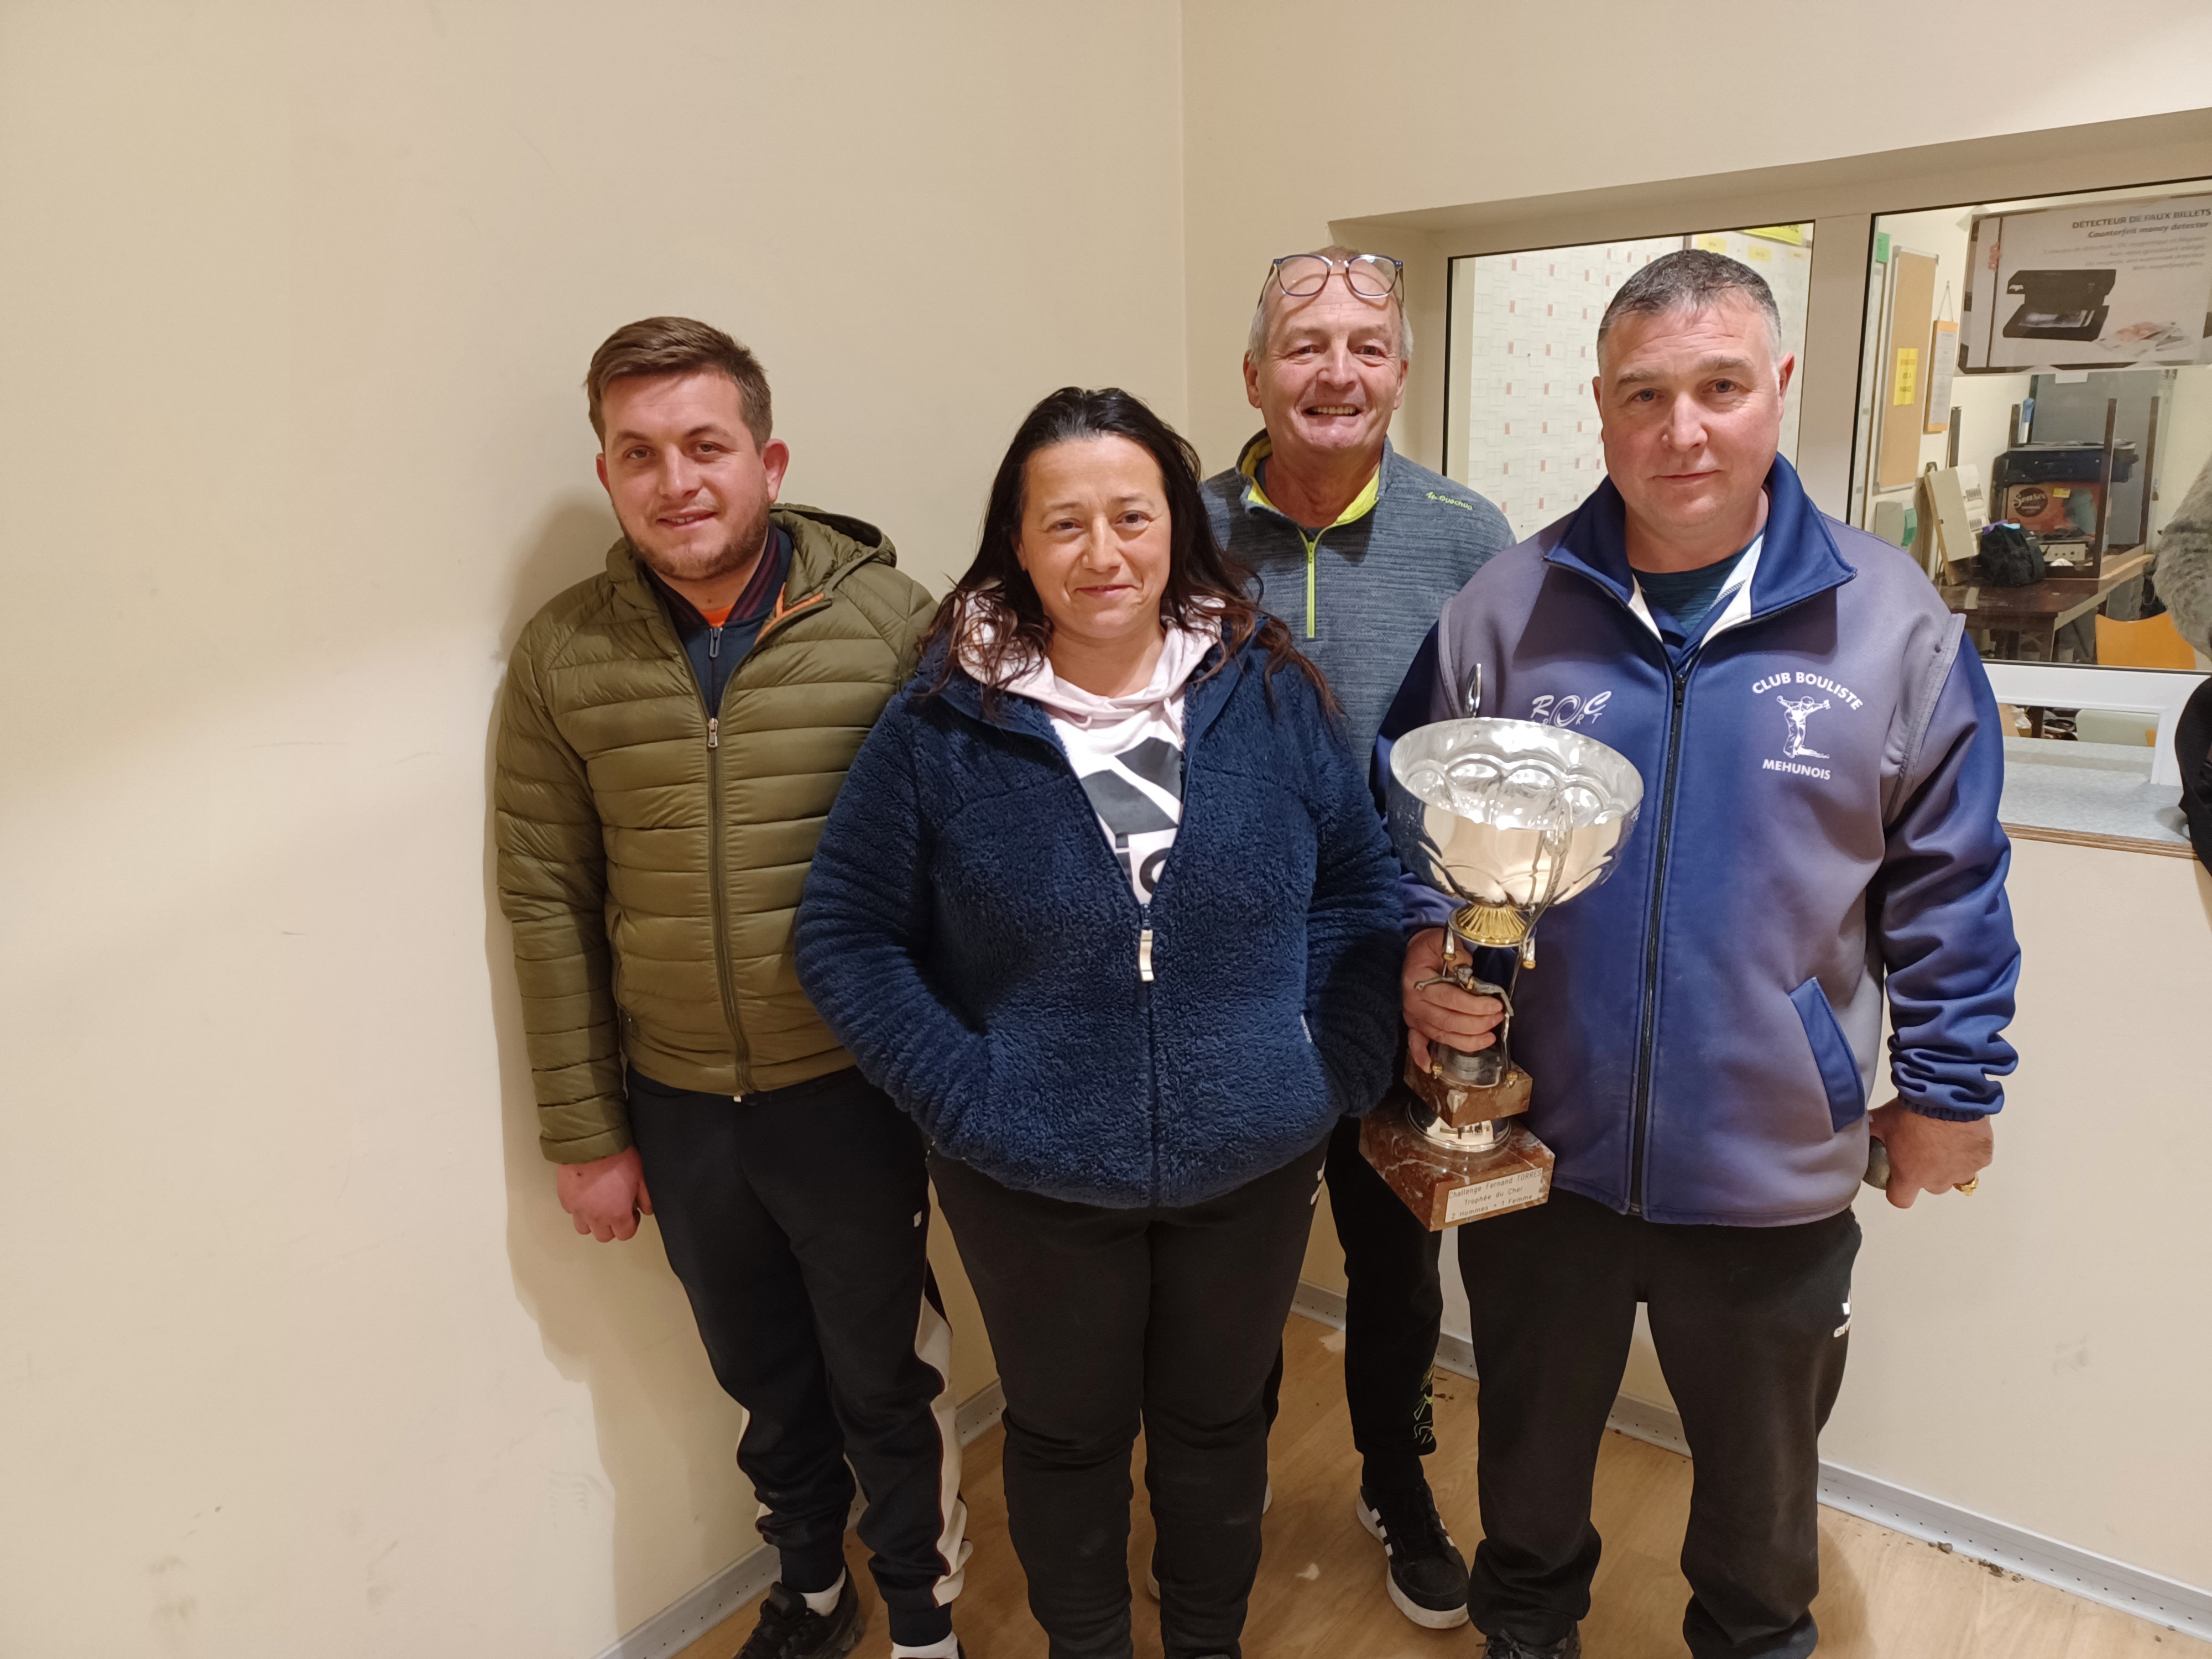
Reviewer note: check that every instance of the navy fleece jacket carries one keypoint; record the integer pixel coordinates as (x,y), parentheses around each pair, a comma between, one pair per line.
(968,933)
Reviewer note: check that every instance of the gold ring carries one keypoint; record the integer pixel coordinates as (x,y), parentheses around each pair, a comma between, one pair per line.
(1967,1187)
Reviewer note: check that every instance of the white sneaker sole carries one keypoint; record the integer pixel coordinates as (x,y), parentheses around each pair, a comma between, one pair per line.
(1426,1618)
(1152,1579)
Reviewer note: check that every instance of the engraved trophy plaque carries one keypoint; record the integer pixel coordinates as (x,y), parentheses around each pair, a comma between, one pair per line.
(1509,818)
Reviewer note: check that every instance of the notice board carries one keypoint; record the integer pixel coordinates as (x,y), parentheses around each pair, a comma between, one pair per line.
(1902,392)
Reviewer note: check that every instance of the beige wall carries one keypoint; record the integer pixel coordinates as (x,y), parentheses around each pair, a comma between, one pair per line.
(1447,103)
(299,1356)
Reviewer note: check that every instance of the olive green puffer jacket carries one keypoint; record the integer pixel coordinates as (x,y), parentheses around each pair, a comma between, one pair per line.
(651,855)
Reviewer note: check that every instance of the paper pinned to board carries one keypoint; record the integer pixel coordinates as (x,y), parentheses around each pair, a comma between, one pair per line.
(1942,365)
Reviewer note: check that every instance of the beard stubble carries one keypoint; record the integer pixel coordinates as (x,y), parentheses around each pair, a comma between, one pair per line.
(734,554)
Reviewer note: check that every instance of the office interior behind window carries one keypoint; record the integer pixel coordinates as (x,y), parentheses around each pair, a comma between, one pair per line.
(2035,399)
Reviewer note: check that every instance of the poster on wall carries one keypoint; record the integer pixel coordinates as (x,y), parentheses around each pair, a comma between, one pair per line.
(2095,285)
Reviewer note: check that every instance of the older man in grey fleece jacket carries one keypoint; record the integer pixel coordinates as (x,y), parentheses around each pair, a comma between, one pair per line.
(1358,549)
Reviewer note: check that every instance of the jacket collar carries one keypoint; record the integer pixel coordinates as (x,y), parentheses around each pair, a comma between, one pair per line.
(1797,556)
(1255,498)
(825,549)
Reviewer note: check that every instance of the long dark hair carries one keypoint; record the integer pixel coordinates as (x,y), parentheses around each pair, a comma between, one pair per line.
(993,616)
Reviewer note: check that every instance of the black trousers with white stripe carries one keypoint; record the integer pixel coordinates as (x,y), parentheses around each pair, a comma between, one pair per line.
(796,1220)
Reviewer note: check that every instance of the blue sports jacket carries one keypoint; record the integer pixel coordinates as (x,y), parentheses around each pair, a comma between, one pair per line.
(1820,821)
(968,933)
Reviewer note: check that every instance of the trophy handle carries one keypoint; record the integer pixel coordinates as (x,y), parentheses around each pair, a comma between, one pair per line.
(1486,1068)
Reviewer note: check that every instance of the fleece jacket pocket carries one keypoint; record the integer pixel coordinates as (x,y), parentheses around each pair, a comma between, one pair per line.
(1839,1067)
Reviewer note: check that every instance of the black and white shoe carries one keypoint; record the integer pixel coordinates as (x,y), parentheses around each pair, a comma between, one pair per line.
(1427,1576)
(789,1629)
(1503,1646)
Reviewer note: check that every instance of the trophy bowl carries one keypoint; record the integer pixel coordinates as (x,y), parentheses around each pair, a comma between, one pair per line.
(1508,817)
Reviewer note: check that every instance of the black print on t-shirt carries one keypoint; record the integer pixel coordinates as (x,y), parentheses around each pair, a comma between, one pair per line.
(1119,794)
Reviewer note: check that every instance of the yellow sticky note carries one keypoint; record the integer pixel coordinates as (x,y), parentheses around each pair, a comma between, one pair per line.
(1759,255)
(1906,390)
(1713,244)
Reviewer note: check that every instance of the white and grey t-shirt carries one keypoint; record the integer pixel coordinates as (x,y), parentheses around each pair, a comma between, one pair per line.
(1127,751)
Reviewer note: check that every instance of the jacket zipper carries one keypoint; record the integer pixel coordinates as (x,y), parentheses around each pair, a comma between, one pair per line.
(1313,558)
(717,907)
(1640,1130)
(724,976)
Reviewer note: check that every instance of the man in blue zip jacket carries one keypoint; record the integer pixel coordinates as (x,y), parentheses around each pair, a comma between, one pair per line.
(1357,547)
(1821,763)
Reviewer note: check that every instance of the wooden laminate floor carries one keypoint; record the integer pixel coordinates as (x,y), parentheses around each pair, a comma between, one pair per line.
(1320,1593)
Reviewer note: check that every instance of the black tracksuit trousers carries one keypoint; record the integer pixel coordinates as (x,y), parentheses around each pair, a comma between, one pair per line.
(1749,1324)
(797,1220)
(1394,1308)
(1102,1319)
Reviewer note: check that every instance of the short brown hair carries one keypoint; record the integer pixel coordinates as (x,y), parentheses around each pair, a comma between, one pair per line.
(678,345)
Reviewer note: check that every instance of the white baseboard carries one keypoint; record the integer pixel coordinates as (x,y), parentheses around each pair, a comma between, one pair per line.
(682,1622)
(2178,1607)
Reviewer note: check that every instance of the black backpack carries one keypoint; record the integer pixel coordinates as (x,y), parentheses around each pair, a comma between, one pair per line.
(2010,557)
(2192,747)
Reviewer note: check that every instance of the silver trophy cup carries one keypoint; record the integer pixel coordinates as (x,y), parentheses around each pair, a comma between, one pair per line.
(1508,817)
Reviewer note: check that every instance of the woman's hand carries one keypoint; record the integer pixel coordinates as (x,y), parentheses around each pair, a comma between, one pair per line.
(1442,1013)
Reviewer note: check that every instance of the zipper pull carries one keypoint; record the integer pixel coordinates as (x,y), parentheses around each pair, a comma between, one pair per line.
(1145,955)
(714,732)
(1681,685)
(714,642)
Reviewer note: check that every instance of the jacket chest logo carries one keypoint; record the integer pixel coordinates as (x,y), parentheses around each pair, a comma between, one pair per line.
(1551,709)
(1800,696)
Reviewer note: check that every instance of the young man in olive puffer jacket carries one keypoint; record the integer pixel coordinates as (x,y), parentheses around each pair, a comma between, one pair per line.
(673,733)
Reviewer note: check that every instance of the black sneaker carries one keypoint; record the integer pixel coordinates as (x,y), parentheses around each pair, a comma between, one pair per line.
(1427,1576)
(1502,1646)
(789,1630)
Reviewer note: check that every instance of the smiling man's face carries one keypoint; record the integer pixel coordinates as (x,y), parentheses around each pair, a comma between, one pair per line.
(1330,377)
(690,484)
(1690,404)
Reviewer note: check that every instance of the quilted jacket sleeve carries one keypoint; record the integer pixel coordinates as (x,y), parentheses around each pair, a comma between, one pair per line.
(1939,904)
(1353,941)
(552,887)
(863,934)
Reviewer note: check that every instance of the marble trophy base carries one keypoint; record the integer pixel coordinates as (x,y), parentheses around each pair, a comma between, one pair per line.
(1444,1187)
(1463,1105)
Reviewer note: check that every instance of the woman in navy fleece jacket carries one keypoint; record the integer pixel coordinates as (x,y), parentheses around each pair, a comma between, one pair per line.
(1129,1065)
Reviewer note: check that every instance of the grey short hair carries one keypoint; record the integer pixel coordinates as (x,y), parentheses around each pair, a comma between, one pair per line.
(1691,279)
(1256,342)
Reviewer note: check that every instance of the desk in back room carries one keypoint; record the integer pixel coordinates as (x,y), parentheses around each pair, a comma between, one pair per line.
(2032,616)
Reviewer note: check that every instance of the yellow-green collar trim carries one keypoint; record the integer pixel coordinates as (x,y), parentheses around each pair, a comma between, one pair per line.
(1361,505)
(1262,446)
